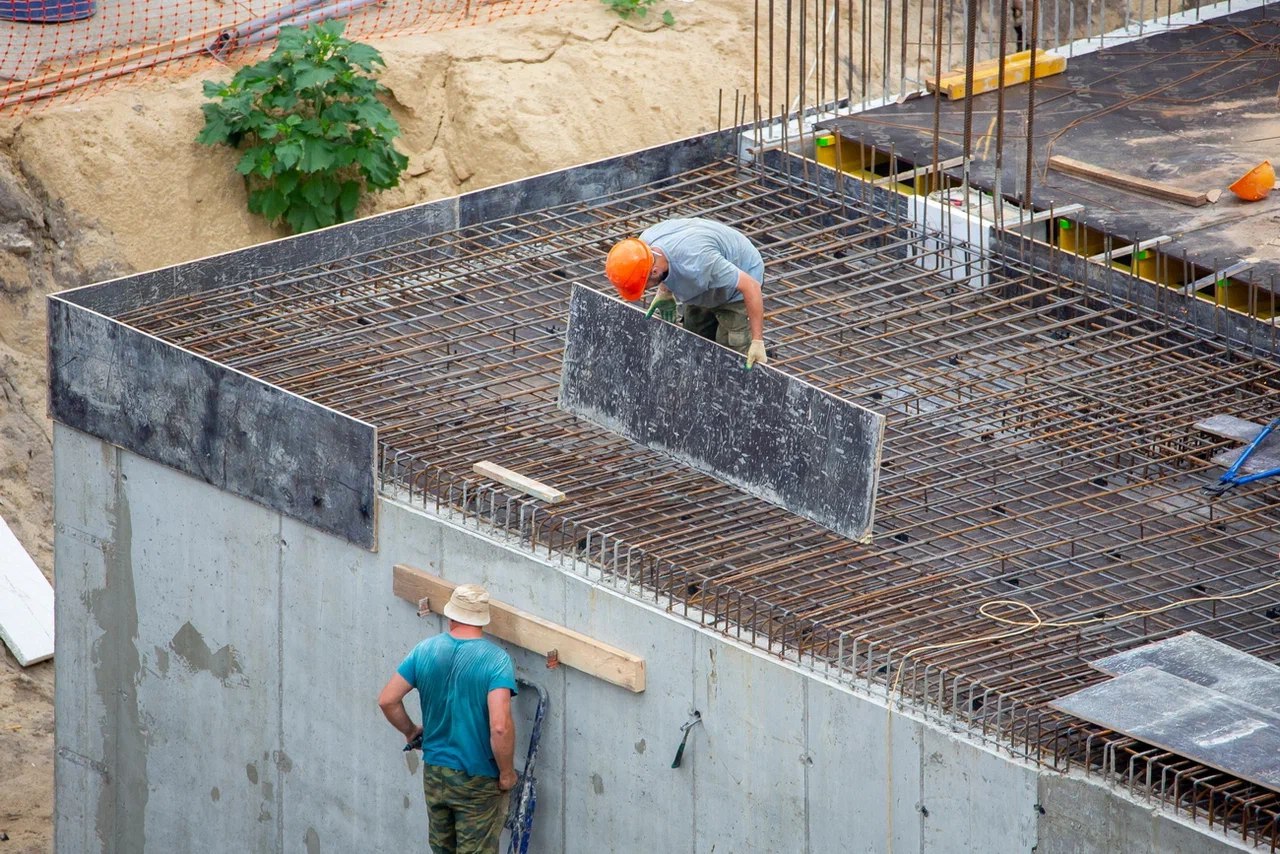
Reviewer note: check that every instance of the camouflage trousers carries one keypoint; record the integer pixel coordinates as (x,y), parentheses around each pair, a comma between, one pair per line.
(465,813)
(725,324)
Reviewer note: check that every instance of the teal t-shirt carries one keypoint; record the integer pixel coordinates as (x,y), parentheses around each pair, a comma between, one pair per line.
(453,679)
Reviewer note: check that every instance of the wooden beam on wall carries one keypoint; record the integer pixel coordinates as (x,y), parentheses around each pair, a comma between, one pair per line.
(530,632)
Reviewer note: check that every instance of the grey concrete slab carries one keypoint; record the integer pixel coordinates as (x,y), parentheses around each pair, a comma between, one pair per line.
(233,431)
(1082,815)
(767,433)
(974,800)
(1206,662)
(347,785)
(753,756)
(198,627)
(621,793)
(84,799)
(865,776)
(84,482)
(1200,723)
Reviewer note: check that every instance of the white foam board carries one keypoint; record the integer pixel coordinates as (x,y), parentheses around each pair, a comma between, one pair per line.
(26,602)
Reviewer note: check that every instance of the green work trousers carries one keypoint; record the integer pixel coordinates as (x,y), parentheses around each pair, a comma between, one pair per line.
(725,324)
(464,813)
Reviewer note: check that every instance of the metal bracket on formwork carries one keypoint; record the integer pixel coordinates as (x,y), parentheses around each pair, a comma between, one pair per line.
(1041,216)
(1124,251)
(1218,276)
(553,659)
(424,607)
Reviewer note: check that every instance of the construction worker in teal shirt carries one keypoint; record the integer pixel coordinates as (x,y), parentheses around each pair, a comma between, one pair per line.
(465,684)
(713,271)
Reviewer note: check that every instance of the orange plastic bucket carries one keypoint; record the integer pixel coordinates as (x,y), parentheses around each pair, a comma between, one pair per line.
(1256,183)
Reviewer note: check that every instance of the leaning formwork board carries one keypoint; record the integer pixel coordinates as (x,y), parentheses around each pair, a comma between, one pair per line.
(769,434)
(26,602)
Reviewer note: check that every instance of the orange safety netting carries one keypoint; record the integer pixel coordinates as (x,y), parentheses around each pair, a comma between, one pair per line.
(72,48)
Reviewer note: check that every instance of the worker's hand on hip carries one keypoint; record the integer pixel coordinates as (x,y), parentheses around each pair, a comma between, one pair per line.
(756,354)
(665,306)
(507,780)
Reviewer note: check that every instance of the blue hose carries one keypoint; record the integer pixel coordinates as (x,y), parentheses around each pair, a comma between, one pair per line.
(524,797)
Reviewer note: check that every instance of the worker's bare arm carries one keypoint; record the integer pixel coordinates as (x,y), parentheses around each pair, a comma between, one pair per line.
(502,736)
(754,299)
(391,701)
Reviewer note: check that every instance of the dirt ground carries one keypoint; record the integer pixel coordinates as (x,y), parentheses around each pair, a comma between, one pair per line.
(102,187)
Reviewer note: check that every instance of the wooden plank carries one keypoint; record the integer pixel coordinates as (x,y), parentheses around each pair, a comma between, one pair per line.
(26,602)
(527,631)
(1128,182)
(527,485)
(1188,719)
(986,74)
(1207,662)
(1265,457)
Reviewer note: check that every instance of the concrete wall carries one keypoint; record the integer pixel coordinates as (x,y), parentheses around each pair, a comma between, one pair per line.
(219,664)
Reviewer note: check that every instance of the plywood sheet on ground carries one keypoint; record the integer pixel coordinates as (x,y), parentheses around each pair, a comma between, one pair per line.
(26,602)
(769,434)
(1205,661)
(1188,719)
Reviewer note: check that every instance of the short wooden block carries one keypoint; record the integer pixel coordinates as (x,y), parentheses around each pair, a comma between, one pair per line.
(527,485)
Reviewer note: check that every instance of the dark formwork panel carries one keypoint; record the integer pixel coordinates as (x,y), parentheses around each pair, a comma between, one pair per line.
(212,422)
(780,439)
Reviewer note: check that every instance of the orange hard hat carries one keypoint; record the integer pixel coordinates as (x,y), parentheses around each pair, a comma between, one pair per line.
(628,266)
(1256,183)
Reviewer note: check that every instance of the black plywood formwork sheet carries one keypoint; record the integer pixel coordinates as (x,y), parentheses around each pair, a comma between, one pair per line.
(1188,719)
(760,430)
(212,422)
(1204,661)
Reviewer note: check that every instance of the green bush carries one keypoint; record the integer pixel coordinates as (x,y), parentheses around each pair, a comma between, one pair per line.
(639,8)
(313,132)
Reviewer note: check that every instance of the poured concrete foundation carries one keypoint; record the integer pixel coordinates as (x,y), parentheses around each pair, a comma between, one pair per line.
(219,664)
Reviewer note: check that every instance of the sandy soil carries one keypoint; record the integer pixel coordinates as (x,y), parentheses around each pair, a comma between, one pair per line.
(114,184)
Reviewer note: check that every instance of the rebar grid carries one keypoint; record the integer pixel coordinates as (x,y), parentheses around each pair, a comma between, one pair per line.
(1040,445)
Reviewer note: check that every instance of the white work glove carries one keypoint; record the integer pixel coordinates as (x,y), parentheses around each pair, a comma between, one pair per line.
(756,354)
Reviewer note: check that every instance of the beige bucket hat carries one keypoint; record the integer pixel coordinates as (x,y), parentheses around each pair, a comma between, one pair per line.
(469,605)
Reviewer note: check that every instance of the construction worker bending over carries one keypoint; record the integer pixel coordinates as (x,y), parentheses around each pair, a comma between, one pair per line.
(465,684)
(713,270)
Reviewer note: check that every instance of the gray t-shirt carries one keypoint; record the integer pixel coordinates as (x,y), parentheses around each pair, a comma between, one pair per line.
(704,258)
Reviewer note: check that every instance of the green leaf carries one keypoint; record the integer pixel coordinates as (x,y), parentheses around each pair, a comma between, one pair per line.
(289,153)
(274,204)
(363,56)
(290,39)
(248,162)
(215,130)
(308,75)
(317,156)
(668,18)
(348,199)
